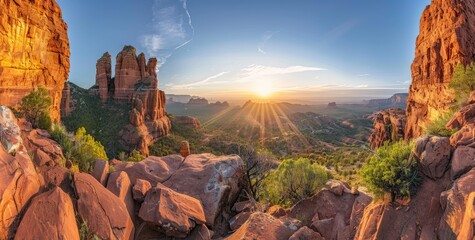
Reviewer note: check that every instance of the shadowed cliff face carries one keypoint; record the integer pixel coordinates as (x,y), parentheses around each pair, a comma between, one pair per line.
(446,39)
(34,50)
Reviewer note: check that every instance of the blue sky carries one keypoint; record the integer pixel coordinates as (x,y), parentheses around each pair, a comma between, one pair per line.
(226,49)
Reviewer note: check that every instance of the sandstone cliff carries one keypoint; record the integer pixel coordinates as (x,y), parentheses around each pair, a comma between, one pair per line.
(446,39)
(34,50)
(135,82)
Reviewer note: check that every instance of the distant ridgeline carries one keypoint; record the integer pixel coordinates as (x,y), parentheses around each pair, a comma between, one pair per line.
(136,85)
(397,100)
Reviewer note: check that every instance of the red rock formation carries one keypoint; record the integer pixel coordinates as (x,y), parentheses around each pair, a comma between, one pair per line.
(103,76)
(446,39)
(136,82)
(388,126)
(66,100)
(263,226)
(188,121)
(34,51)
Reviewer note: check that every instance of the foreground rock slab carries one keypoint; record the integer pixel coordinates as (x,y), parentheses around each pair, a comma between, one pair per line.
(50,216)
(106,215)
(263,226)
(174,213)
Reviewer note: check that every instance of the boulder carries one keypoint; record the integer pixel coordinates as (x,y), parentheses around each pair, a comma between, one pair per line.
(18,183)
(463,160)
(262,226)
(153,169)
(106,215)
(10,133)
(119,184)
(49,216)
(140,189)
(277,211)
(467,230)
(462,117)
(37,139)
(463,137)
(215,181)
(173,213)
(238,220)
(200,232)
(455,202)
(243,206)
(101,171)
(434,155)
(305,233)
(360,204)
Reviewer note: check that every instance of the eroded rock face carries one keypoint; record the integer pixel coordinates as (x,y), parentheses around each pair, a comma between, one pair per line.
(66,100)
(445,39)
(50,216)
(34,51)
(455,202)
(105,213)
(104,76)
(388,125)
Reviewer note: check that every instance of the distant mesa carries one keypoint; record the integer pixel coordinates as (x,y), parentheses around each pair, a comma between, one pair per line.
(332,105)
(187,121)
(398,100)
(198,101)
(135,82)
(174,98)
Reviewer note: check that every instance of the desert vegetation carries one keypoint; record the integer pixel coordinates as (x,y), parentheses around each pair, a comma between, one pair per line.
(81,148)
(35,108)
(392,169)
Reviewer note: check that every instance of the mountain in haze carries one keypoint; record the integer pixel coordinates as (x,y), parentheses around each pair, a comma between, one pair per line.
(397,100)
(177,98)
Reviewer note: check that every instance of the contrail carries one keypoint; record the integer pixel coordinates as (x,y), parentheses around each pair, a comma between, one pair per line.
(189,23)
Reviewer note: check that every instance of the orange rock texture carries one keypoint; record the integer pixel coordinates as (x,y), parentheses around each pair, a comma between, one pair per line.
(34,50)
(445,39)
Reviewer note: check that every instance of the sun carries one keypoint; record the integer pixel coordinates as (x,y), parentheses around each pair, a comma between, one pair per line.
(263,89)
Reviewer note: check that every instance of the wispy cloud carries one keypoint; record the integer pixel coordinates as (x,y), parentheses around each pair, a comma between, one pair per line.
(264,39)
(364,75)
(172,29)
(260,70)
(206,81)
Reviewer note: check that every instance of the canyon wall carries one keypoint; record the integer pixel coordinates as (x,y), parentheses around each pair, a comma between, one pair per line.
(447,35)
(34,51)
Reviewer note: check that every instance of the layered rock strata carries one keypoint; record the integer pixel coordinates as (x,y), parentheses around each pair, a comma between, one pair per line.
(34,51)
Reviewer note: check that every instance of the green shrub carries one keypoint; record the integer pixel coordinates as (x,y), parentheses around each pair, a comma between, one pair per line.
(81,148)
(437,126)
(294,180)
(44,122)
(34,105)
(87,150)
(390,170)
(463,82)
(135,156)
